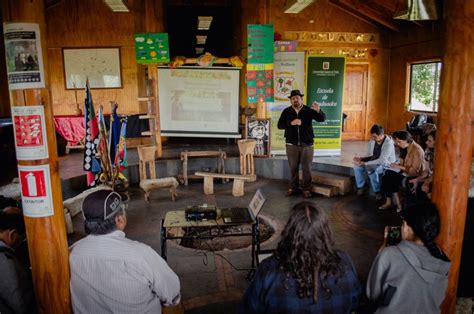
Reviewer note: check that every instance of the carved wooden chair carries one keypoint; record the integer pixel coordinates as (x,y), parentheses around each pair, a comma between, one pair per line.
(146,155)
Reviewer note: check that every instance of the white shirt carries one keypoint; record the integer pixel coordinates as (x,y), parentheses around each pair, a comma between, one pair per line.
(113,274)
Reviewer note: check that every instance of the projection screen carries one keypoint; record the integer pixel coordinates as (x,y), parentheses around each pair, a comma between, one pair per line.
(199,102)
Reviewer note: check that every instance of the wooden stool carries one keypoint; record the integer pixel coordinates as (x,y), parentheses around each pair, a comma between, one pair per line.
(147,157)
(246,149)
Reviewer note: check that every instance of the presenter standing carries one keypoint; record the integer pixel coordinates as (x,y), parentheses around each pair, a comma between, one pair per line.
(297,121)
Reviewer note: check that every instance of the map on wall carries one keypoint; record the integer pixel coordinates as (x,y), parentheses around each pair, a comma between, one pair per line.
(100,65)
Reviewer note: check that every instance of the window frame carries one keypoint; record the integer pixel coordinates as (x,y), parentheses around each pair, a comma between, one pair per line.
(408,86)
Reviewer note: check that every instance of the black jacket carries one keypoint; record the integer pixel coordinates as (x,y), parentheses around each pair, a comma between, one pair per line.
(300,134)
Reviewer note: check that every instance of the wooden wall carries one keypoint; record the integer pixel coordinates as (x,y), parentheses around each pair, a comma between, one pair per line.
(329,18)
(90,23)
(413,43)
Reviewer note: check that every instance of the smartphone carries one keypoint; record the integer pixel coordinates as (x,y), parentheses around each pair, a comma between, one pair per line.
(394,235)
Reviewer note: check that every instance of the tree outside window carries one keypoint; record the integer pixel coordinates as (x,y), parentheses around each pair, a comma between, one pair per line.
(424,86)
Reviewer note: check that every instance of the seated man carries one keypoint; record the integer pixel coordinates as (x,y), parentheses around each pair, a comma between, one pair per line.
(16,286)
(110,273)
(381,152)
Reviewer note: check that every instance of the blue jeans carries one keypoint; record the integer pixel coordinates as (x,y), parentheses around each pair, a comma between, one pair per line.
(373,172)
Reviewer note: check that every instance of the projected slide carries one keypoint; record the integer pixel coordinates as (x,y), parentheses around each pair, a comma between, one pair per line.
(199,102)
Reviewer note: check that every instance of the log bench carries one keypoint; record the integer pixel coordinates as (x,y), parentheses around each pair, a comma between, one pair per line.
(238,185)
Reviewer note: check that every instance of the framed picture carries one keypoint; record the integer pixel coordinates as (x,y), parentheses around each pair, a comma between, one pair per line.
(100,65)
(259,130)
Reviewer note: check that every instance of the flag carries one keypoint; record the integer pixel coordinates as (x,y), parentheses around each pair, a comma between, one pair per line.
(103,149)
(121,160)
(91,162)
(115,126)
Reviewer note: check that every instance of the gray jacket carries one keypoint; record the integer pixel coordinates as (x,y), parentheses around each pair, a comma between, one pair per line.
(387,155)
(16,286)
(419,278)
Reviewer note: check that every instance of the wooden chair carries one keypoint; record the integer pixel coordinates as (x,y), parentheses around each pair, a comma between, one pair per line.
(246,149)
(146,155)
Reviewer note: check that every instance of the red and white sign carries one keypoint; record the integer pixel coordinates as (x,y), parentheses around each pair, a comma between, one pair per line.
(36,190)
(30,132)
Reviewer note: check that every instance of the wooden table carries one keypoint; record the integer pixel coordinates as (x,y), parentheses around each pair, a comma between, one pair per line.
(221,156)
(177,219)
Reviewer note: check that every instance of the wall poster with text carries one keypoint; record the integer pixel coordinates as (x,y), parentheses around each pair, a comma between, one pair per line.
(23,55)
(325,85)
(289,74)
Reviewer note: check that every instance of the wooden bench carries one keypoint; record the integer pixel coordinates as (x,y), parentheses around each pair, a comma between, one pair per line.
(238,185)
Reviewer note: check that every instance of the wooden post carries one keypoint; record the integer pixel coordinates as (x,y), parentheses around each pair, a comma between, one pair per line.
(154,24)
(453,140)
(47,242)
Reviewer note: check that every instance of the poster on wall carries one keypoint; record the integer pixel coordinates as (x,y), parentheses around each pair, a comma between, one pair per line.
(30,132)
(36,196)
(152,48)
(259,83)
(288,75)
(325,85)
(259,130)
(285,46)
(260,43)
(23,55)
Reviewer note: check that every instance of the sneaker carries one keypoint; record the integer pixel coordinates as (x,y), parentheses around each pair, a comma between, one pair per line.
(290,192)
(361,191)
(399,209)
(307,194)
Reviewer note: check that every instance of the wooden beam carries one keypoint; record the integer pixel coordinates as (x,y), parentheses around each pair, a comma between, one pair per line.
(47,242)
(366,13)
(453,140)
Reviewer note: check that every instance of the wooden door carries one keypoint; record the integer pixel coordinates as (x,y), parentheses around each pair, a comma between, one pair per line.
(355,101)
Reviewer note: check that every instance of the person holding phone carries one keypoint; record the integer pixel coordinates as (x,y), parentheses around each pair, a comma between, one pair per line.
(412,276)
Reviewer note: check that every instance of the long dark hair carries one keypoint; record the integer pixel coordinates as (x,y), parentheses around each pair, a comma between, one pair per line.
(424,219)
(307,251)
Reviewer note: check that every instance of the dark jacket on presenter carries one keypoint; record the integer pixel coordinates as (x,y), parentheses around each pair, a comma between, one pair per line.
(297,121)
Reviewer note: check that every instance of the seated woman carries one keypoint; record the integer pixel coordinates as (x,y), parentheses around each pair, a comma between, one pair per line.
(306,274)
(420,186)
(411,277)
(411,165)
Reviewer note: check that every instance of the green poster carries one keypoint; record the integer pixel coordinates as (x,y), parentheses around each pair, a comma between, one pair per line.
(325,85)
(260,43)
(152,48)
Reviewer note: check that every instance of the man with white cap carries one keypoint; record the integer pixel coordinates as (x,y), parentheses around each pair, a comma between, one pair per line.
(113,274)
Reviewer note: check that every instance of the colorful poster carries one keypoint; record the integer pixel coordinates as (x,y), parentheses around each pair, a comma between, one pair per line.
(260,43)
(325,85)
(152,48)
(24,55)
(36,195)
(288,75)
(30,132)
(259,83)
(285,46)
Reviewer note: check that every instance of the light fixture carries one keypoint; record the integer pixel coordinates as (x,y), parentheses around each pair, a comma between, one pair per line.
(204,23)
(201,39)
(296,6)
(199,50)
(118,5)
(418,10)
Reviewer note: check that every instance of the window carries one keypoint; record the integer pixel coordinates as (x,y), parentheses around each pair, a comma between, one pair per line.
(424,86)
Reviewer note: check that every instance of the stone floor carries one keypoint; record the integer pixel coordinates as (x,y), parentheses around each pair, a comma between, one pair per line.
(214,282)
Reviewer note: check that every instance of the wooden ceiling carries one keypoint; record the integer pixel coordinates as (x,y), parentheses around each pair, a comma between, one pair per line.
(378,12)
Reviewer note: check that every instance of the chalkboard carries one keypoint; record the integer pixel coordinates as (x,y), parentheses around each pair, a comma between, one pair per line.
(259,130)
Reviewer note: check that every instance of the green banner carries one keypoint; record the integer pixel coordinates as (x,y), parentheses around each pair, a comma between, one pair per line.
(260,43)
(152,48)
(325,85)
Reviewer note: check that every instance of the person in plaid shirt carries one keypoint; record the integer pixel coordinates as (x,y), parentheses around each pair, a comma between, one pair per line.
(306,274)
